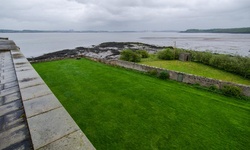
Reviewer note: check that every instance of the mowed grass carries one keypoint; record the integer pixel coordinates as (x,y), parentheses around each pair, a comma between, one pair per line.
(121,109)
(197,69)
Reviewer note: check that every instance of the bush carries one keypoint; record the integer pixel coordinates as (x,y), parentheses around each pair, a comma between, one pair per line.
(143,53)
(229,90)
(153,72)
(129,55)
(205,57)
(164,75)
(167,54)
(213,88)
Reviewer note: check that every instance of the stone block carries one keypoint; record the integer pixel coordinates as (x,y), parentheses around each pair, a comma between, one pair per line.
(13,119)
(10,84)
(23,67)
(40,105)
(35,91)
(20,60)
(12,97)
(30,82)
(10,107)
(9,91)
(14,136)
(28,78)
(76,141)
(9,79)
(50,126)
(5,73)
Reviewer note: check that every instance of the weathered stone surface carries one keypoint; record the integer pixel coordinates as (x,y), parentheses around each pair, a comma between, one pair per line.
(13,119)
(27,81)
(7,45)
(51,126)
(14,133)
(7,108)
(30,82)
(41,104)
(76,140)
(14,136)
(23,67)
(12,97)
(9,91)
(35,91)
(10,84)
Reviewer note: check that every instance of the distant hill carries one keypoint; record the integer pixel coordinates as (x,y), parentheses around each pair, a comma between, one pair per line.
(228,30)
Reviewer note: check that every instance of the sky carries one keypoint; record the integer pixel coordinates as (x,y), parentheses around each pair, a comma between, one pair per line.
(117,15)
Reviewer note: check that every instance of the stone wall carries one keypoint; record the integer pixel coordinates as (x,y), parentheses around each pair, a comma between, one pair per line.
(31,117)
(178,76)
(173,75)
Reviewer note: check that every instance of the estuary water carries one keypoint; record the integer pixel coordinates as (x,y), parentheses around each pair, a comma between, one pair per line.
(35,44)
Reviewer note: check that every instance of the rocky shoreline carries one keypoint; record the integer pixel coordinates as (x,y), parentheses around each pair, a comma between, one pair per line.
(107,50)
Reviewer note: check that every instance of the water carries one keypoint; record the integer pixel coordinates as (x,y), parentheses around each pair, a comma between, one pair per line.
(35,44)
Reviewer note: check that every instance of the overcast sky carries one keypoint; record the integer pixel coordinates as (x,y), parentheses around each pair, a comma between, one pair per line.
(123,14)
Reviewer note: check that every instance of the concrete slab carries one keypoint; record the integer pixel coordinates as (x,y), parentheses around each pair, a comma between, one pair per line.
(10,107)
(23,67)
(9,91)
(7,45)
(13,119)
(10,84)
(40,105)
(9,77)
(7,80)
(76,140)
(9,72)
(11,97)
(19,60)
(51,126)
(35,91)
(11,138)
(30,82)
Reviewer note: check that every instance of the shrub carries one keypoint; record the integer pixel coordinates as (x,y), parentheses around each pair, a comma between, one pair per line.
(229,90)
(153,72)
(213,88)
(129,55)
(205,57)
(177,53)
(167,54)
(164,75)
(143,53)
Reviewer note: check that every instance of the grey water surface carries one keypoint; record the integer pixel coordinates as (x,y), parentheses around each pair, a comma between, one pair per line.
(35,44)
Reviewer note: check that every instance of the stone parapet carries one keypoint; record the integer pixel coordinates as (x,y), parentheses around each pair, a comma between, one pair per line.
(50,126)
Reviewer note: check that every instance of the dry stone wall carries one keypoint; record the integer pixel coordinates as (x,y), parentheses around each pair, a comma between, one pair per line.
(178,76)
(173,75)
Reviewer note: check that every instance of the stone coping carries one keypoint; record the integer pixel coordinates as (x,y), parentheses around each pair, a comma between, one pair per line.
(50,125)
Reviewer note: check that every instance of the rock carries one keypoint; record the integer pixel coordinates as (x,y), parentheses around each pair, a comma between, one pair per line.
(108,50)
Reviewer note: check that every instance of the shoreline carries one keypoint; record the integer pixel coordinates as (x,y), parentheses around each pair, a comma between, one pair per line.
(107,50)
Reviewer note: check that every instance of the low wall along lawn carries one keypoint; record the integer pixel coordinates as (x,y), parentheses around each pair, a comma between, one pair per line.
(178,76)
(173,75)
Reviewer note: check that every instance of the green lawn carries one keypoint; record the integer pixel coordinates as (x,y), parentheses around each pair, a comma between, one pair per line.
(197,69)
(121,109)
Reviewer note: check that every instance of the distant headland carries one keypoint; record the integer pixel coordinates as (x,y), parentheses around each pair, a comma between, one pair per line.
(245,30)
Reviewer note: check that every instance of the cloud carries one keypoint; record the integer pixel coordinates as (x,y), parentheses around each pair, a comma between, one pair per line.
(123,15)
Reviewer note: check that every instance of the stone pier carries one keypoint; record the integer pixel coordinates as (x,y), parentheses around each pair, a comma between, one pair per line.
(31,117)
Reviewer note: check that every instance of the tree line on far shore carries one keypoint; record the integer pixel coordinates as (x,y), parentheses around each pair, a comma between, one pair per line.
(230,30)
